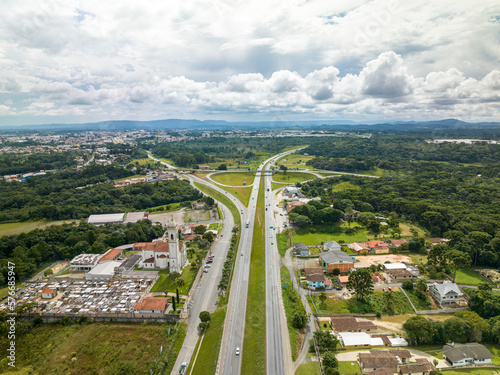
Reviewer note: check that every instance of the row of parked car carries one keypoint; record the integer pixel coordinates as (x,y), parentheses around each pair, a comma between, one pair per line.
(208,263)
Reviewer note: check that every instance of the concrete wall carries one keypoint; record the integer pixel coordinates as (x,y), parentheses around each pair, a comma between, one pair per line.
(168,318)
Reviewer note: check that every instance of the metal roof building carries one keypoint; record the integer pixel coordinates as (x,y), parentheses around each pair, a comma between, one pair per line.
(106,218)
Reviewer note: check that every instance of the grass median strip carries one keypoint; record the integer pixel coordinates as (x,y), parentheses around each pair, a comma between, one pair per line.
(254,342)
(223,199)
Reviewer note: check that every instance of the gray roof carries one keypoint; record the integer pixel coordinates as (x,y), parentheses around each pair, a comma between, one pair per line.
(330,243)
(445,288)
(334,257)
(458,352)
(106,218)
(300,246)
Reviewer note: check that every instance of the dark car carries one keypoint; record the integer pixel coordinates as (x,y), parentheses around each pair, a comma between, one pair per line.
(338,288)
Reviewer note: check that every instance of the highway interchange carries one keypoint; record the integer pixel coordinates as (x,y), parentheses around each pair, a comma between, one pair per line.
(278,354)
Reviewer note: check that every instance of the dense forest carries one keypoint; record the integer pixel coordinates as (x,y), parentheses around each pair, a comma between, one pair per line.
(16,163)
(28,251)
(67,195)
(400,153)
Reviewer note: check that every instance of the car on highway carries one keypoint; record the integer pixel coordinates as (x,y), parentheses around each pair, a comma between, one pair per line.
(242,253)
(205,270)
(183,368)
(238,350)
(207,266)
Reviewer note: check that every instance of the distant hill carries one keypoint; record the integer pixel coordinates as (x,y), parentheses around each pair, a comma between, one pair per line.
(444,124)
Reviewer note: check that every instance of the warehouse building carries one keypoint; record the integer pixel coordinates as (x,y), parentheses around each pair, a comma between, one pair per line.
(103,271)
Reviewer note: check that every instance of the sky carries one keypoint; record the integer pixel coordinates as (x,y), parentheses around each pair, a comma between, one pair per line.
(71,61)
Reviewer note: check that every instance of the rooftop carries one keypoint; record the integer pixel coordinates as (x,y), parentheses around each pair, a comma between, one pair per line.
(106,268)
(110,255)
(106,218)
(335,257)
(152,303)
(457,352)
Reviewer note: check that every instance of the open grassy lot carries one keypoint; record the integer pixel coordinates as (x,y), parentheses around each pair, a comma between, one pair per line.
(224,200)
(344,185)
(104,348)
(292,303)
(376,302)
(7,229)
(314,235)
(143,161)
(349,368)
(283,242)
(206,362)
(254,353)
(234,178)
(469,277)
(166,284)
(474,371)
(309,368)
(419,303)
(293,177)
(295,161)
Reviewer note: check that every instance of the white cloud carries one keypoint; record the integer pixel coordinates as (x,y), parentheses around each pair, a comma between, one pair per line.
(361,59)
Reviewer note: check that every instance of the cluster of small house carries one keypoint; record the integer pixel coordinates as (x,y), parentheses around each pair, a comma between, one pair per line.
(399,361)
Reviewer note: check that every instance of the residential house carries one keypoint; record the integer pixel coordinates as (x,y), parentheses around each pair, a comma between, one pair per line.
(377,277)
(380,371)
(351,324)
(300,249)
(331,246)
(395,266)
(377,247)
(336,259)
(377,360)
(313,271)
(342,280)
(316,281)
(401,275)
(436,241)
(359,248)
(328,283)
(290,206)
(204,167)
(445,293)
(292,193)
(353,215)
(422,367)
(403,354)
(49,293)
(397,243)
(467,354)
(151,306)
(351,340)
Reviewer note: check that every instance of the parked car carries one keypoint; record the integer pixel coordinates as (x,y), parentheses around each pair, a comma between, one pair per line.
(207,265)
(205,270)
(338,288)
(392,290)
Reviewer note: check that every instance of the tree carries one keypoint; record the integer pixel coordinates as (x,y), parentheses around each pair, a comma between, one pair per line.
(388,299)
(458,259)
(209,236)
(418,330)
(457,329)
(408,285)
(200,229)
(299,320)
(302,221)
(477,325)
(422,285)
(336,272)
(174,276)
(329,360)
(222,167)
(361,282)
(284,169)
(48,272)
(177,294)
(205,316)
(325,341)
(180,283)
(322,297)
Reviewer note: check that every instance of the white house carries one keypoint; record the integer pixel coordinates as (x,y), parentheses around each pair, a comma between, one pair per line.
(445,293)
(331,246)
(467,354)
(168,253)
(151,306)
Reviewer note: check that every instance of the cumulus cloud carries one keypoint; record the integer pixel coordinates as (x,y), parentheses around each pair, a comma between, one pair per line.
(360,59)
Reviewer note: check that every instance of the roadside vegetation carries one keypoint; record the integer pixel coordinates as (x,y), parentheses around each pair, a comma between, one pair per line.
(296,316)
(254,348)
(234,178)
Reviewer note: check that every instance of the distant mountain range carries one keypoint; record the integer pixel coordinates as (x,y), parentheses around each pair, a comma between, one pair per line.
(170,124)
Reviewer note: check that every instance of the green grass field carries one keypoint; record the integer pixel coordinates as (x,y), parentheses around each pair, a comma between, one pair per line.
(309,368)
(206,362)
(375,302)
(349,368)
(233,178)
(8,229)
(294,161)
(293,177)
(418,303)
(469,277)
(143,161)
(344,185)
(224,200)
(290,308)
(166,284)
(283,242)
(314,235)
(104,348)
(130,177)
(254,353)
